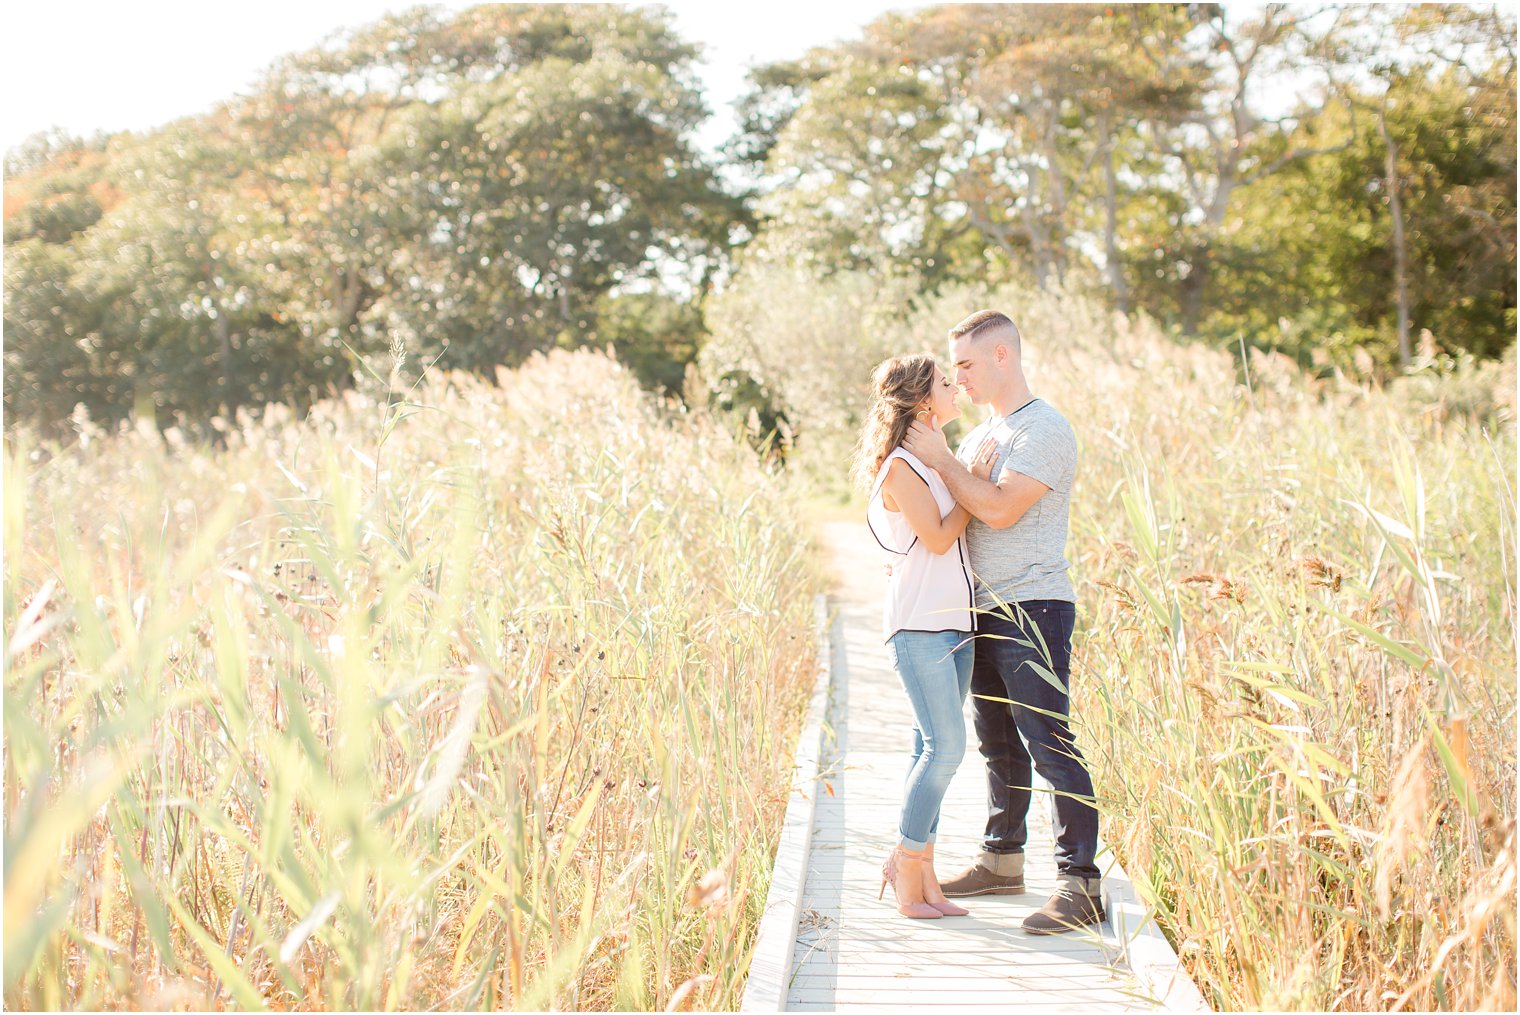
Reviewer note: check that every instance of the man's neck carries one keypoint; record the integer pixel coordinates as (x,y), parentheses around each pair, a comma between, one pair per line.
(1016,397)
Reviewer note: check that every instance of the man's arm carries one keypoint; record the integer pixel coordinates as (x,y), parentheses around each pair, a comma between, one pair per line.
(999,505)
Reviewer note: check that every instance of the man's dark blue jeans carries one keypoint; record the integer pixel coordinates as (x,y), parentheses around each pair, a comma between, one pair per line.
(1013,646)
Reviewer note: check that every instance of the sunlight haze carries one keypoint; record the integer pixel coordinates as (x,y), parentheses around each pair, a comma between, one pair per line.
(138,67)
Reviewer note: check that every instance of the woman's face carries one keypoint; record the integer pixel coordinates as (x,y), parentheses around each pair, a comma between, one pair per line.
(942,398)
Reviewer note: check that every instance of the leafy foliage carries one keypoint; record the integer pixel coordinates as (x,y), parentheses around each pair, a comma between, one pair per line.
(473,187)
(1128,147)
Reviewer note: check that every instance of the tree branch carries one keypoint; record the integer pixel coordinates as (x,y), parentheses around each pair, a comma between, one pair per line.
(1292,155)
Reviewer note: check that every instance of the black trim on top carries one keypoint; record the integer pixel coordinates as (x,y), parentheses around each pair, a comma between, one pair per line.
(877,489)
(960,548)
(884,546)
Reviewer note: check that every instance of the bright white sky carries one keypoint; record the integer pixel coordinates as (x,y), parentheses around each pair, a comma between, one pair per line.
(123,66)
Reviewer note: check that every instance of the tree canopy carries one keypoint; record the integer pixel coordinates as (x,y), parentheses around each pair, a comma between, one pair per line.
(475,187)
(1149,148)
(478,186)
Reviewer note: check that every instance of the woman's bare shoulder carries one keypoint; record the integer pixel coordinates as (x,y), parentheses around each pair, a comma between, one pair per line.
(901,474)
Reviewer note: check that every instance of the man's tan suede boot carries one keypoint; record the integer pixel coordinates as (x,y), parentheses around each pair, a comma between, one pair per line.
(991,874)
(1076,903)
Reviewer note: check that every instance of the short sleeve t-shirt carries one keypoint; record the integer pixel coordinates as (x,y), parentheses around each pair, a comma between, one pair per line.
(1027,560)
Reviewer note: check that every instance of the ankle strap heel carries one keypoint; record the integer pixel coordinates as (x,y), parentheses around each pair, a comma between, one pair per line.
(914,910)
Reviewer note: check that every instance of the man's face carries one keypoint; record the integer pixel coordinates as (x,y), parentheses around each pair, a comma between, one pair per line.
(972,362)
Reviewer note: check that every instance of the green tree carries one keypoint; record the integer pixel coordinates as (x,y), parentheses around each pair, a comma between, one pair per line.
(965,138)
(480,185)
(1049,89)
(1408,222)
(544,189)
(1388,53)
(54,187)
(1313,262)
(150,307)
(52,362)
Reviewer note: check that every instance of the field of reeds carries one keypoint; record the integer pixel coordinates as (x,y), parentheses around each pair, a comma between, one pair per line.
(472,696)
(1294,667)
(451,696)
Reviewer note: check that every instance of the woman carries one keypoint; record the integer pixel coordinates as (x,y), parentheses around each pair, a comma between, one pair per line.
(927,619)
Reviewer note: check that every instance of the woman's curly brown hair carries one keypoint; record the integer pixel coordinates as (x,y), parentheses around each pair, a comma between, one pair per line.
(899,387)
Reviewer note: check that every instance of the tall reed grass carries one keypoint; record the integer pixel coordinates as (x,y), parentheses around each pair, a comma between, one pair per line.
(462,697)
(1295,664)
(1294,669)
(1300,678)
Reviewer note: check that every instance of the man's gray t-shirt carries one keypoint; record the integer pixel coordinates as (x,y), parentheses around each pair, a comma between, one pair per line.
(1027,560)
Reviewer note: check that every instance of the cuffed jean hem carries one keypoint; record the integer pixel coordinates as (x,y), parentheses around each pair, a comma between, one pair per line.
(916,844)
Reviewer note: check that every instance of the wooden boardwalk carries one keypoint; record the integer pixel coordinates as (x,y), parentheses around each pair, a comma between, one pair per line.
(853,951)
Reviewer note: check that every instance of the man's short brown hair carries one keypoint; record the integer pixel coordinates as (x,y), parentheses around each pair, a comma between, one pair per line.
(985,322)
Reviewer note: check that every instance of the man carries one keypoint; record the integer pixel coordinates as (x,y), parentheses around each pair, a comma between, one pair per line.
(1026,610)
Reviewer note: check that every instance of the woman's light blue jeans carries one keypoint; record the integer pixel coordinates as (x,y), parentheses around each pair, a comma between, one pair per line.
(935,668)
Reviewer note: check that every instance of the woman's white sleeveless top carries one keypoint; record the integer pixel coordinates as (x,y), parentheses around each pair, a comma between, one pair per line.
(927,591)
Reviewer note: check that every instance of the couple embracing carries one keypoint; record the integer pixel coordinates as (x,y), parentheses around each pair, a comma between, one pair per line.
(979,600)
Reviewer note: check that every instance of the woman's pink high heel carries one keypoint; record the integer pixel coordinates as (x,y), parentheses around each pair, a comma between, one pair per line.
(912,910)
(946,907)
